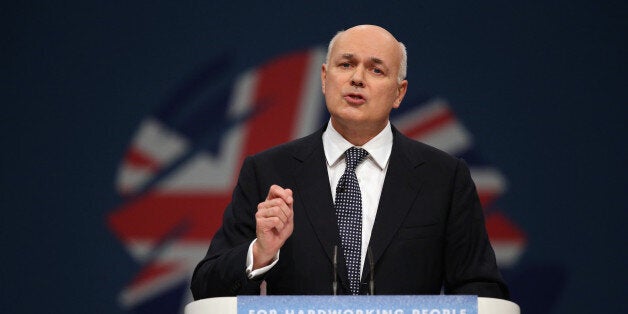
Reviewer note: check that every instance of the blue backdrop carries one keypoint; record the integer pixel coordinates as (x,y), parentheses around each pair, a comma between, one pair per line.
(540,85)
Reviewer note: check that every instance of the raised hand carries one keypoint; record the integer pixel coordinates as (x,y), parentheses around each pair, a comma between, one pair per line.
(274,224)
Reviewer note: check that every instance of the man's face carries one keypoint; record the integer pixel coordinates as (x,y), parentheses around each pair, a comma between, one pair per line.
(360,79)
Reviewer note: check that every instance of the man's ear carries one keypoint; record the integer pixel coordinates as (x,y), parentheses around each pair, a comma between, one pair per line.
(401,92)
(323,77)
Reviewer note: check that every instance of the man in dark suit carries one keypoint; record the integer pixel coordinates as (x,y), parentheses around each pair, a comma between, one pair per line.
(296,207)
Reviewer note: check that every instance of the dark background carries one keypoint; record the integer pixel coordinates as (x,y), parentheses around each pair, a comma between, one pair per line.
(541,85)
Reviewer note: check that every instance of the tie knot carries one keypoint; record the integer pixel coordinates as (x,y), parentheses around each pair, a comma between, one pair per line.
(354,156)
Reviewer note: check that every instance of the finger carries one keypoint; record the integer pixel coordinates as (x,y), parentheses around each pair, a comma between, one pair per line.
(270,223)
(286,210)
(276,191)
(274,208)
(289,199)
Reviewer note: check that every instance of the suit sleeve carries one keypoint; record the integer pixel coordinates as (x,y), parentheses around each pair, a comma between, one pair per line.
(223,270)
(470,267)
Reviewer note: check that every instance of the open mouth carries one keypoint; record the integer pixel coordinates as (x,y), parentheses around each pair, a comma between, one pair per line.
(354,98)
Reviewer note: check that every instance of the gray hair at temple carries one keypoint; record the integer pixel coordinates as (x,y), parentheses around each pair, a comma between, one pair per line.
(403,66)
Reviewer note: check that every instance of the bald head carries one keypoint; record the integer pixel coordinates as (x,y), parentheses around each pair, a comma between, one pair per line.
(378,33)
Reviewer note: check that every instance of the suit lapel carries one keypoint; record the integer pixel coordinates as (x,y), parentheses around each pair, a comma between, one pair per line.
(312,182)
(401,187)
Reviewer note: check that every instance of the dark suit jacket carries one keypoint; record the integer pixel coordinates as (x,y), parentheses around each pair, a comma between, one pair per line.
(428,235)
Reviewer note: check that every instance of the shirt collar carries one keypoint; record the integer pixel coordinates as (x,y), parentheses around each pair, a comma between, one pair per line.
(379,147)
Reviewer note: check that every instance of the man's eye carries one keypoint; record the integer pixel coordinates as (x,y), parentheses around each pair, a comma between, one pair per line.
(345,65)
(378,71)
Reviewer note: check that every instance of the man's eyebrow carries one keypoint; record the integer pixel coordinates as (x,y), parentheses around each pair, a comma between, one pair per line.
(346,56)
(377,60)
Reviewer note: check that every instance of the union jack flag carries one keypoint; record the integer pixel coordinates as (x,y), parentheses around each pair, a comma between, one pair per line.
(177,175)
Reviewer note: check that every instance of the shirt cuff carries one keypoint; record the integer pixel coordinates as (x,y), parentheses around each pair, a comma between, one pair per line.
(250,273)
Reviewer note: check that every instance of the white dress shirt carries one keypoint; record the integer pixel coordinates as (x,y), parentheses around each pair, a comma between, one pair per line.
(370,173)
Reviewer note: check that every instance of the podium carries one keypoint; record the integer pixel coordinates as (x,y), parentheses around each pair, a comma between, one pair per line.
(229,305)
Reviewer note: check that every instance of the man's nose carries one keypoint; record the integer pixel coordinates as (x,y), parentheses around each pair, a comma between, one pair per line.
(357,79)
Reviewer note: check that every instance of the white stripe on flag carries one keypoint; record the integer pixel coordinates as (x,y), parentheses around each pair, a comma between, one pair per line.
(217,172)
(311,106)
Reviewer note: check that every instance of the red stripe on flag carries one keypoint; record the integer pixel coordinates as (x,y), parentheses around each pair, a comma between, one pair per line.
(487,197)
(151,272)
(277,96)
(501,228)
(437,121)
(139,159)
(156,215)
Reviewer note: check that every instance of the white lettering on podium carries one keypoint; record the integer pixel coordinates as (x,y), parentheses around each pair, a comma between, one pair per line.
(345,311)
(439,311)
